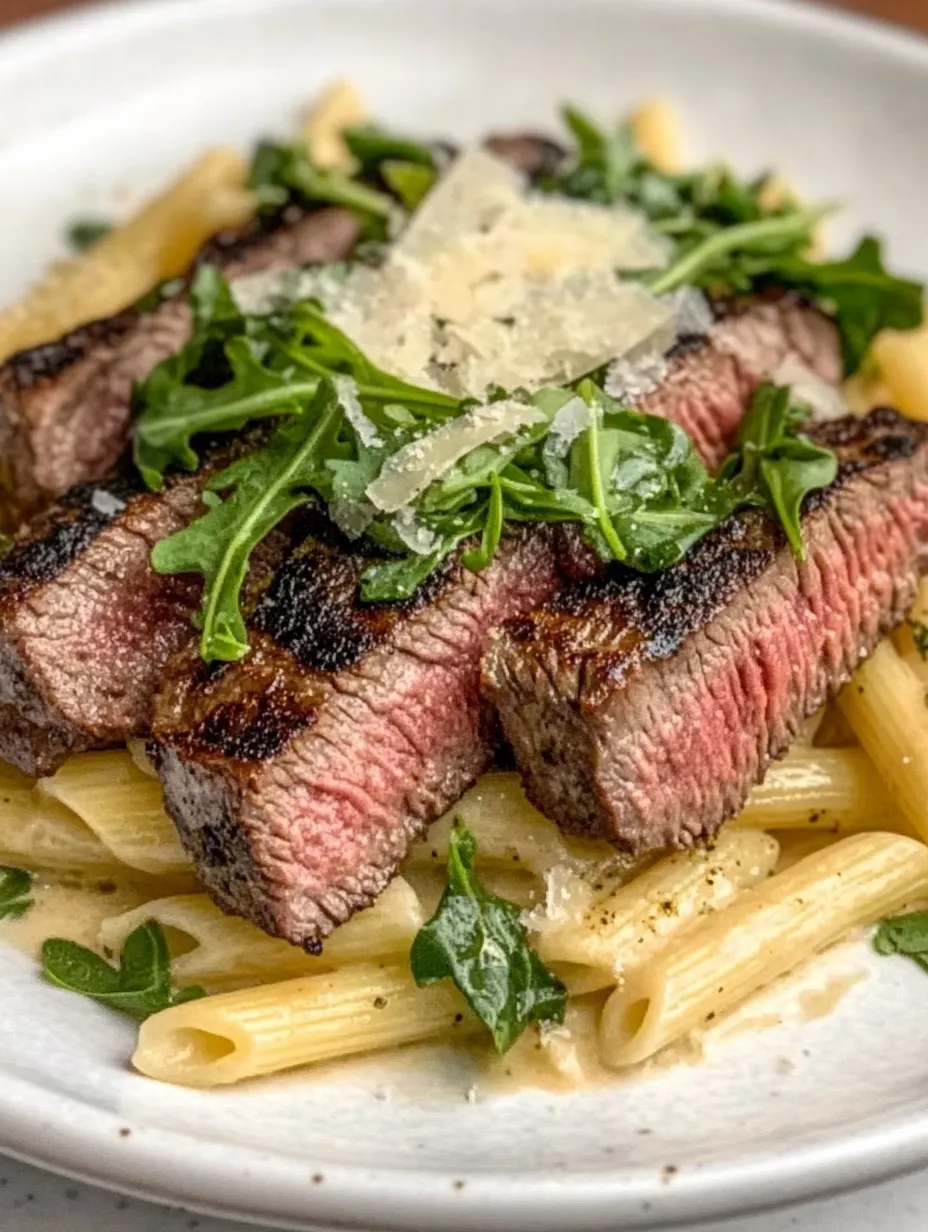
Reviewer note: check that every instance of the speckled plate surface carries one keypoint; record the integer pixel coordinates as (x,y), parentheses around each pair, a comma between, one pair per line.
(106,104)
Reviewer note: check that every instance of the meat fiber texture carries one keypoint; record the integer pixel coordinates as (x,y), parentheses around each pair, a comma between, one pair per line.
(644,708)
(299,777)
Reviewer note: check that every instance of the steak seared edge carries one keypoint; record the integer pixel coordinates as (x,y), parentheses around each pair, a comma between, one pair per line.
(644,708)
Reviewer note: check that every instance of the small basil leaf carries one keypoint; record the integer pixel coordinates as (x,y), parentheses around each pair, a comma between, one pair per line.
(903,934)
(140,986)
(15,893)
(476,940)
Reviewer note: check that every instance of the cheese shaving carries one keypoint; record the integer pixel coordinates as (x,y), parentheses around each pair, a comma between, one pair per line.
(408,472)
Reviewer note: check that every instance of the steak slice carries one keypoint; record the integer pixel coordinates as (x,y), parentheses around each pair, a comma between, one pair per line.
(643,708)
(86,625)
(712,377)
(64,407)
(299,777)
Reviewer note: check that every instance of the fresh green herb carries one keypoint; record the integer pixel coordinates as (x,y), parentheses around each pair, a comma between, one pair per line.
(83,233)
(373,146)
(262,489)
(904,934)
(477,940)
(15,893)
(728,237)
(140,985)
(410,182)
(920,637)
(281,174)
(6,544)
(776,465)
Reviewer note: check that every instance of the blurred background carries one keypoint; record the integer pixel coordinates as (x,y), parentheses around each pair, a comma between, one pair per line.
(910,12)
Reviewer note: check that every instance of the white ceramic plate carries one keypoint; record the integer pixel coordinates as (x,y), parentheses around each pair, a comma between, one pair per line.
(108,103)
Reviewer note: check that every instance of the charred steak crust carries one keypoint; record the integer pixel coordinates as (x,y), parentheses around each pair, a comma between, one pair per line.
(298,778)
(64,407)
(643,708)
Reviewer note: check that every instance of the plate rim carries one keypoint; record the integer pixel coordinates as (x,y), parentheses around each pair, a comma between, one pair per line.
(63,1134)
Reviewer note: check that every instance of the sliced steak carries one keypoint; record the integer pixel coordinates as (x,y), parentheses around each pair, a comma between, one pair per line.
(712,377)
(86,625)
(643,708)
(64,407)
(299,777)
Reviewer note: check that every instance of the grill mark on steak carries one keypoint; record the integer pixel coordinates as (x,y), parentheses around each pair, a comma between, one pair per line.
(297,786)
(65,406)
(644,708)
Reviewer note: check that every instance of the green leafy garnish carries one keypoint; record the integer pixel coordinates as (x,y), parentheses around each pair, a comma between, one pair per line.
(83,233)
(15,893)
(284,173)
(904,934)
(477,940)
(728,237)
(776,465)
(633,482)
(372,146)
(262,489)
(410,182)
(140,985)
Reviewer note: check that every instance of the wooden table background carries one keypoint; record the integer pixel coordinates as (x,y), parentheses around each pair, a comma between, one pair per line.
(910,12)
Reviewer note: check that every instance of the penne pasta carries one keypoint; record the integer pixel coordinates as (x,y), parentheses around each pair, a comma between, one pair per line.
(509,831)
(124,808)
(766,932)
(39,833)
(209,947)
(885,705)
(657,127)
(255,1031)
(904,636)
(902,358)
(340,106)
(615,925)
(157,243)
(823,789)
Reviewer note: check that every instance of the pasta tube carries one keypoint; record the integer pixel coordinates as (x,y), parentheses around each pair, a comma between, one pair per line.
(254,1031)
(822,789)
(765,933)
(40,833)
(508,830)
(123,806)
(615,925)
(902,358)
(657,127)
(340,106)
(885,705)
(904,637)
(212,948)
(158,243)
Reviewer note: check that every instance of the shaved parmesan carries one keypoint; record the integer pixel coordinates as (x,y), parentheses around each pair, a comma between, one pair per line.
(418,538)
(408,472)
(492,286)
(347,390)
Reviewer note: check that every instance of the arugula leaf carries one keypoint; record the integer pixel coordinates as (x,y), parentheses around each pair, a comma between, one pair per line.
(15,887)
(728,237)
(410,182)
(906,935)
(477,940)
(373,146)
(139,986)
(284,173)
(262,488)
(84,233)
(776,465)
